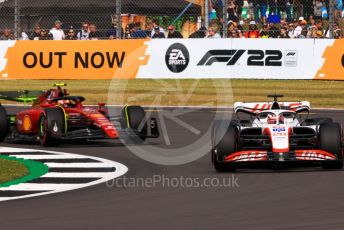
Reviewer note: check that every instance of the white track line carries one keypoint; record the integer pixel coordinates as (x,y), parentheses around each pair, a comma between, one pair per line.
(76,165)
(77,175)
(49,157)
(39,187)
(11,193)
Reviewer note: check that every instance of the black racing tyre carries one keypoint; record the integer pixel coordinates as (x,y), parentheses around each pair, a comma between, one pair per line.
(323,121)
(226,143)
(134,118)
(330,140)
(4,124)
(52,125)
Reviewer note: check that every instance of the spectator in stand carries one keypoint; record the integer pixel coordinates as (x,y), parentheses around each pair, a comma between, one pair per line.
(251,10)
(230,28)
(273,31)
(252,31)
(285,6)
(156,24)
(201,33)
(137,32)
(84,32)
(94,33)
(319,30)
(172,33)
(283,33)
(311,22)
(337,32)
(338,9)
(319,34)
(212,33)
(127,32)
(301,24)
(232,11)
(265,33)
(233,31)
(237,34)
(57,31)
(240,6)
(71,35)
(318,6)
(46,35)
(23,35)
(111,33)
(157,33)
(7,35)
(304,33)
(308,8)
(272,7)
(311,32)
(36,33)
(291,29)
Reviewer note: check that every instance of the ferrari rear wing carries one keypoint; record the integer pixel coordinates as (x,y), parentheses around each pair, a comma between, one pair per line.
(25,96)
(257,107)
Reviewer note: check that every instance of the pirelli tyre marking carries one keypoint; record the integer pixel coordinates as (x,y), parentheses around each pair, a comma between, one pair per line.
(66,172)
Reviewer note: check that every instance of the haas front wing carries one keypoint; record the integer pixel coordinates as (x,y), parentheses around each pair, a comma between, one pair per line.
(279,144)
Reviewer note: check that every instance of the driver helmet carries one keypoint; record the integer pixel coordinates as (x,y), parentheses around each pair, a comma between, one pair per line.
(281,119)
(64,103)
(272,119)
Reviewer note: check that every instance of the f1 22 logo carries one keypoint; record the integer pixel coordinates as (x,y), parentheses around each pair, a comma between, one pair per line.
(231,57)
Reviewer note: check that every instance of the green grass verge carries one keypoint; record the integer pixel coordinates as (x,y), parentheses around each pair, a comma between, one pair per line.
(15,171)
(327,94)
(11,170)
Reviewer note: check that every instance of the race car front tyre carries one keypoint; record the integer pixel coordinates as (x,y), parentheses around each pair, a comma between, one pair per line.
(4,124)
(134,118)
(330,141)
(52,125)
(226,143)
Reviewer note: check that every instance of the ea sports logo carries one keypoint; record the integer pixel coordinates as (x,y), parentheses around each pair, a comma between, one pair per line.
(177,58)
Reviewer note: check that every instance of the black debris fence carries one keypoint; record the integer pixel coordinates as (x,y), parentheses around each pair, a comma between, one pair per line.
(23,15)
(119,19)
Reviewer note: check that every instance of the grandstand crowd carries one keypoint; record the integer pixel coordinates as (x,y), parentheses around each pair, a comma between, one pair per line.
(265,19)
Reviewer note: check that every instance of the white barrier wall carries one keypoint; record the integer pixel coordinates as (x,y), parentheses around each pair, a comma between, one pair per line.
(172,58)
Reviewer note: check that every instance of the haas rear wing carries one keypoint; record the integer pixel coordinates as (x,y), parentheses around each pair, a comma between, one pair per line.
(255,108)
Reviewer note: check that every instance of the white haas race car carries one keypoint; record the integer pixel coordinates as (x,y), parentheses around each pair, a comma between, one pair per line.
(278,134)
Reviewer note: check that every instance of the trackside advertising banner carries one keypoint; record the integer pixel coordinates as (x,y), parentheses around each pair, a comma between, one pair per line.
(320,59)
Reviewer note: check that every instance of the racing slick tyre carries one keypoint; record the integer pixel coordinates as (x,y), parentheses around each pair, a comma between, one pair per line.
(134,118)
(323,121)
(330,141)
(4,124)
(52,125)
(224,140)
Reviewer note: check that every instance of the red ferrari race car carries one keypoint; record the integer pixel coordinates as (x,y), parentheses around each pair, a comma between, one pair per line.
(276,133)
(55,116)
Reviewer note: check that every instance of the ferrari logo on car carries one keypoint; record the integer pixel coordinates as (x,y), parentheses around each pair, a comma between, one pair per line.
(55,128)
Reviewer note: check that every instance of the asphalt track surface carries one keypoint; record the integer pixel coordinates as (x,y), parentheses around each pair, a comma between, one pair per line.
(266,199)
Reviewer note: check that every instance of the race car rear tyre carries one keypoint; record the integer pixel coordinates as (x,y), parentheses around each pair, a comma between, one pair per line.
(135,118)
(225,141)
(323,121)
(4,124)
(330,141)
(52,125)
